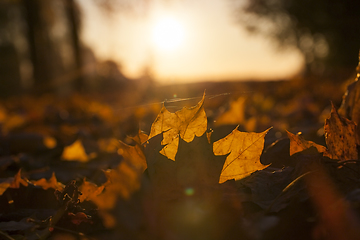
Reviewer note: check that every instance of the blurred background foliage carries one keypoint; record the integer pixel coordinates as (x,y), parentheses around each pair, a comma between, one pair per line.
(327,32)
(41,49)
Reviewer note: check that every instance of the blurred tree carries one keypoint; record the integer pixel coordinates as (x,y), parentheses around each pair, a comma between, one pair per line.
(327,32)
(73,15)
(10,74)
(53,40)
(40,44)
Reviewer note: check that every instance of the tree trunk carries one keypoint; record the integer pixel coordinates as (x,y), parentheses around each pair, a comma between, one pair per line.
(74,26)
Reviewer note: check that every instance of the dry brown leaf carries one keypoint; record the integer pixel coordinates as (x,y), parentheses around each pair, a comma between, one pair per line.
(186,123)
(244,151)
(75,152)
(51,183)
(340,137)
(299,144)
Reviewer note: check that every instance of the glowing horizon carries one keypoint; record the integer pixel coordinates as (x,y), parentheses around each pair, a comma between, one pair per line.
(186,42)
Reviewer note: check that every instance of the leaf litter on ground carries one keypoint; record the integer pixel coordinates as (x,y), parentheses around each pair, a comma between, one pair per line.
(175,182)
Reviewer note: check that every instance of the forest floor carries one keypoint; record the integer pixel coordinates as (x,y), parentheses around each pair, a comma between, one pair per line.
(65,175)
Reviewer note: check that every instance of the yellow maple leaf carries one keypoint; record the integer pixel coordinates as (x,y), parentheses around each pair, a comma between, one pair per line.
(298,144)
(244,151)
(185,123)
(340,137)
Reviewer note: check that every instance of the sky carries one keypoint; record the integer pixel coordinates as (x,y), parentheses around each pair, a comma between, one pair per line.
(185,41)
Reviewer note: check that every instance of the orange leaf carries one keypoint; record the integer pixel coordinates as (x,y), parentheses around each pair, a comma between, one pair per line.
(51,183)
(244,151)
(18,180)
(89,191)
(13,182)
(133,154)
(340,137)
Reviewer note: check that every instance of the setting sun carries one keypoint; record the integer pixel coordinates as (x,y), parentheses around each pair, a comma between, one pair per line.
(167,34)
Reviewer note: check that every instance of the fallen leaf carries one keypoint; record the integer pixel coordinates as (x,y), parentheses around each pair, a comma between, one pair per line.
(140,138)
(89,191)
(350,106)
(277,154)
(133,154)
(51,183)
(13,182)
(299,144)
(121,183)
(185,123)
(244,151)
(109,145)
(235,115)
(340,137)
(266,186)
(75,152)
(18,180)
(4,185)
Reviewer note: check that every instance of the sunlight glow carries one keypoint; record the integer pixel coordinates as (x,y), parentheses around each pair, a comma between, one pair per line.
(187,41)
(167,34)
